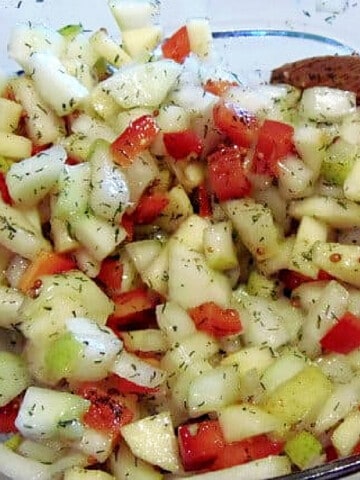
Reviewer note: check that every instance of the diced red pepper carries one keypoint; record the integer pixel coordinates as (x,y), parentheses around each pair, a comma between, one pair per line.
(216,321)
(127,222)
(110,276)
(344,336)
(46,263)
(136,138)
(218,87)
(39,148)
(247,450)
(8,414)
(331,453)
(107,411)
(4,191)
(204,199)
(275,141)
(133,308)
(177,47)
(200,444)
(182,144)
(227,176)
(150,206)
(202,447)
(292,279)
(356,450)
(239,125)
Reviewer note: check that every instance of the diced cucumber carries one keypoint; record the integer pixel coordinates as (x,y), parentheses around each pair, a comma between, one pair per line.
(97,235)
(200,37)
(151,340)
(156,275)
(77,473)
(13,465)
(140,435)
(309,232)
(133,368)
(282,369)
(255,225)
(303,449)
(246,420)
(291,401)
(250,358)
(48,413)
(262,286)
(18,235)
(125,466)
(70,31)
(109,192)
(219,248)
(143,85)
(341,402)
(340,261)
(336,212)
(140,174)
(143,253)
(126,117)
(213,390)
(31,180)
(323,104)
(73,192)
(43,126)
(351,184)
(295,177)
(322,315)
(346,435)
(191,232)
(108,49)
(26,40)
(14,146)
(174,321)
(311,143)
(62,356)
(10,112)
(10,303)
(14,377)
(338,161)
(39,451)
(131,13)
(349,129)
(140,43)
(192,281)
(66,93)
(63,296)
(80,49)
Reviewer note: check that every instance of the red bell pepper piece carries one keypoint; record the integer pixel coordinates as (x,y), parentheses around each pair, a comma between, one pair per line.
(227,176)
(136,138)
(107,412)
(218,87)
(8,414)
(204,201)
(177,47)
(46,263)
(344,336)
(135,307)
(110,276)
(200,444)
(216,321)
(239,125)
(4,191)
(150,207)
(182,144)
(275,141)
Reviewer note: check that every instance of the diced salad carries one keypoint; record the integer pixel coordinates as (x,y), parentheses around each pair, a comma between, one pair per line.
(180,261)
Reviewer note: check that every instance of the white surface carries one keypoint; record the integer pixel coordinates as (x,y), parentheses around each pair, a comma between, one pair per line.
(337,19)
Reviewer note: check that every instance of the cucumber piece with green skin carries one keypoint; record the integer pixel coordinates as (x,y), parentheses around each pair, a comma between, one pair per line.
(61,356)
(289,402)
(70,31)
(14,377)
(303,449)
(219,248)
(109,191)
(338,161)
(48,413)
